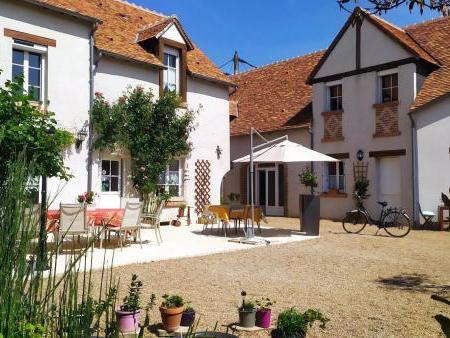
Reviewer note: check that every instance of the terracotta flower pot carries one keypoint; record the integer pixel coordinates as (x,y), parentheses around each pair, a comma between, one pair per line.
(171,318)
(128,321)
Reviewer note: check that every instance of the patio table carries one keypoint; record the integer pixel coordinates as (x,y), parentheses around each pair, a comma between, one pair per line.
(225,213)
(95,217)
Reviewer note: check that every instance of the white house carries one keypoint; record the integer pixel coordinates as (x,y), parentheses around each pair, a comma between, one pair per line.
(380,103)
(69,50)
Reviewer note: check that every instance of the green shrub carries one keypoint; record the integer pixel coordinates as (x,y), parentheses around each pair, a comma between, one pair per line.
(308,179)
(172,301)
(294,324)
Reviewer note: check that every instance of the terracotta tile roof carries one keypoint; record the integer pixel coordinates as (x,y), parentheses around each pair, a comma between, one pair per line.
(121,22)
(434,36)
(153,30)
(274,97)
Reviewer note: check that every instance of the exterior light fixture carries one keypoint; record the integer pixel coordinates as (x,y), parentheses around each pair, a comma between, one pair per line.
(218,152)
(81,136)
(360,155)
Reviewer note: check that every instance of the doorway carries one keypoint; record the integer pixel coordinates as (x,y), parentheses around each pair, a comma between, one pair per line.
(269,189)
(389,181)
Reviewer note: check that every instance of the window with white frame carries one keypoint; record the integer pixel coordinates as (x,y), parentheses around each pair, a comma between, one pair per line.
(110,176)
(335,97)
(389,88)
(29,65)
(170,179)
(171,73)
(334,178)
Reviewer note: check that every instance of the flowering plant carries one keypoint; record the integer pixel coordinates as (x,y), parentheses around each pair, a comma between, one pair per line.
(87,197)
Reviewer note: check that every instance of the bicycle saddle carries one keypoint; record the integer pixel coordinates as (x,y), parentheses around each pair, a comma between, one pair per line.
(383,204)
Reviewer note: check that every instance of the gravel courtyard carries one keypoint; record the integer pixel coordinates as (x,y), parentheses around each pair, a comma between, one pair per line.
(369,286)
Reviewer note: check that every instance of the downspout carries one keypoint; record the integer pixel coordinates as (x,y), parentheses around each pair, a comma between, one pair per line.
(413,164)
(91,104)
(311,142)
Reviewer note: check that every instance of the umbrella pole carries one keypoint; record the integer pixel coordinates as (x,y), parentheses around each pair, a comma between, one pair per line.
(250,231)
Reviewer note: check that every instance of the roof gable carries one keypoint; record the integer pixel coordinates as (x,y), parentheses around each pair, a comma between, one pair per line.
(346,50)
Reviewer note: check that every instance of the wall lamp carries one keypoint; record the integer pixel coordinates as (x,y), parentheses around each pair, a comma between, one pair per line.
(360,155)
(218,152)
(81,137)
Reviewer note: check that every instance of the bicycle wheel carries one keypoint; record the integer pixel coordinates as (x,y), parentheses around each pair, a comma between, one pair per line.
(354,222)
(396,224)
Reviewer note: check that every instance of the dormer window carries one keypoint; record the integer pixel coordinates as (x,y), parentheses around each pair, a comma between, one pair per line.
(172,72)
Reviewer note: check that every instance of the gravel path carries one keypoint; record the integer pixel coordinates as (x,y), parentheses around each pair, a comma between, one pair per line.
(369,286)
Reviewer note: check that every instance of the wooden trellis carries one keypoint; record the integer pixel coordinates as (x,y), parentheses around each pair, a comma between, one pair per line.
(360,170)
(202,185)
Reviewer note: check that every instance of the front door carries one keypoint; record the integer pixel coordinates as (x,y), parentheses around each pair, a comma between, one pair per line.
(389,181)
(268,189)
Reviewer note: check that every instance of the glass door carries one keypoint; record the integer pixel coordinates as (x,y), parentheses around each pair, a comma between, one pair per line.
(268,189)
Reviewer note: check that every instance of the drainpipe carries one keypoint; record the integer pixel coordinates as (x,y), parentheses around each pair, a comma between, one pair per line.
(91,103)
(311,142)
(413,165)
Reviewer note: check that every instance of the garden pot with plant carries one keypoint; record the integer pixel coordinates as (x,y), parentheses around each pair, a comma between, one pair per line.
(309,204)
(171,312)
(247,312)
(264,312)
(292,323)
(188,317)
(129,313)
(181,210)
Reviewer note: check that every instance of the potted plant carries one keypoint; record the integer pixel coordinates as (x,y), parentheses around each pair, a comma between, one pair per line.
(188,317)
(129,313)
(360,191)
(87,198)
(181,209)
(171,312)
(293,324)
(309,204)
(264,312)
(247,312)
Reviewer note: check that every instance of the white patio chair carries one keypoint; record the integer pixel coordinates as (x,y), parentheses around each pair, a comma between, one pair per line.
(131,222)
(73,221)
(151,215)
(428,216)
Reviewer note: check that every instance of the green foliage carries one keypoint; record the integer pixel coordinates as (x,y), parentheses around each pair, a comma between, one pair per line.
(265,303)
(308,179)
(248,305)
(292,323)
(154,131)
(131,302)
(172,301)
(360,191)
(24,128)
(31,301)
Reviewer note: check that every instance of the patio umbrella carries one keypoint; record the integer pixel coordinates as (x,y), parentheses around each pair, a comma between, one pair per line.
(278,150)
(286,152)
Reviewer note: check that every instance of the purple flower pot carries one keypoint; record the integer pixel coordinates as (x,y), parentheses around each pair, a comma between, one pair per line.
(128,321)
(263,317)
(188,318)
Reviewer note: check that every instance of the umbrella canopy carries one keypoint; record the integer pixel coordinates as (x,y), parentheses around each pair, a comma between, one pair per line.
(286,152)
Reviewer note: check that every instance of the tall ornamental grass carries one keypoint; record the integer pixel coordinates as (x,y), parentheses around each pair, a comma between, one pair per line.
(37,303)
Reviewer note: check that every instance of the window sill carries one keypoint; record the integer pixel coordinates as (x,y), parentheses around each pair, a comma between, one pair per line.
(175,202)
(332,139)
(386,104)
(331,112)
(334,194)
(393,134)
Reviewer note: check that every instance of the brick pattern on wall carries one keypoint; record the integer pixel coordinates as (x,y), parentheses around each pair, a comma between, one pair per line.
(386,120)
(332,126)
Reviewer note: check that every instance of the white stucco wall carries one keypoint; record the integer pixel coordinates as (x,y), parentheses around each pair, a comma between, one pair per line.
(359,94)
(67,79)
(377,48)
(433,153)
(342,58)
(173,34)
(212,130)
(240,146)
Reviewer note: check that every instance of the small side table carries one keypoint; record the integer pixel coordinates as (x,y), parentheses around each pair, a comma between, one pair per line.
(442,219)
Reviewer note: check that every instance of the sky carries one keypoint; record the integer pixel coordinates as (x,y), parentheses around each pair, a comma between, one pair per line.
(265,31)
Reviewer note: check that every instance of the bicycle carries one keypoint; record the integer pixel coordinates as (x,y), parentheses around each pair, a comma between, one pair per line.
(394,221)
